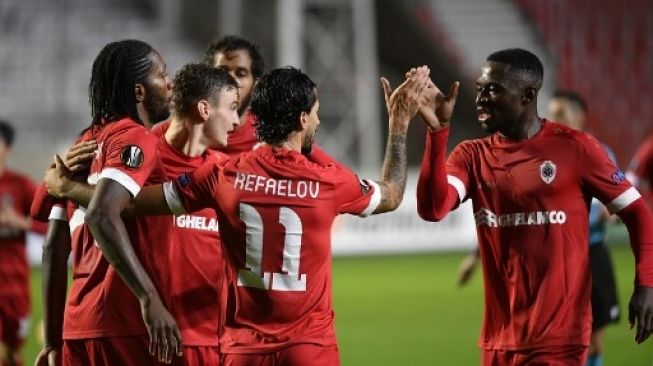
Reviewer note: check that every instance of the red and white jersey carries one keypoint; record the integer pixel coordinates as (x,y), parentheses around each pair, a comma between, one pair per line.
(100,304)
(195,258)
(276,209)
(640,171)
(16,193)
(531,202)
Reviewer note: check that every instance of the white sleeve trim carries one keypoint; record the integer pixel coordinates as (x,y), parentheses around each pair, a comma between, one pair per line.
(121,177)
(375,200)
(623,200)
(458,185)
(58,213)
(77,219)
(173,199)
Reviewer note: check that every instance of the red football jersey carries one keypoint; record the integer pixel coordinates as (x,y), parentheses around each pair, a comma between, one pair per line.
(276,210)
(100,304)
(641,169)
(16,191)
(531,203)
(195,258)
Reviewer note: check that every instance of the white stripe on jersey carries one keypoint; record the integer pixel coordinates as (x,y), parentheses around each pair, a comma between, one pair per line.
(173,199)
(374,201)
(623,200)
(458,185)
(122,178)
(58,213)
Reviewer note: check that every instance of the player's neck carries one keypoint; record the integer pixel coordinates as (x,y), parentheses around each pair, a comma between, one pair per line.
(3,167)
(293,143)
(527,127)
(144,116)
(185,137)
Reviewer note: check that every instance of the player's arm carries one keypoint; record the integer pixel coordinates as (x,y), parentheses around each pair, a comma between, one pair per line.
(607,183)
(56,249)
(437,193)
(59,183)
(402,105)
(104,221)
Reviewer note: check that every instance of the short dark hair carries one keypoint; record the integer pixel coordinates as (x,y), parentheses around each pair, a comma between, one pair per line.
(7,133)
(116,70)
(572,97)
(522,60)
(195,82)
(234,43)
(278,100)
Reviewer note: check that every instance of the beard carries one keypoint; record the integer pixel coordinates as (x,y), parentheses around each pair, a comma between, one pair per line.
(307,146)
(244,104)
(157,108)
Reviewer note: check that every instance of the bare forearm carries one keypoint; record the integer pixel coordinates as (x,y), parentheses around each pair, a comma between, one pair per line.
(80,193)
(56,249)
(112,238)
(393,173)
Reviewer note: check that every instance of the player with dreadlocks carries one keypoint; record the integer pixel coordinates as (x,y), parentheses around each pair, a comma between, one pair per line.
(113,304)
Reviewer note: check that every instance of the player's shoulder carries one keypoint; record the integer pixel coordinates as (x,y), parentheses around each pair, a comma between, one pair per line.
(128,129)
(216,157)
(160,128)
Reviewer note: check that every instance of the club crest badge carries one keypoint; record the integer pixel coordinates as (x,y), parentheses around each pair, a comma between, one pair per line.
(548,171)
(132,156)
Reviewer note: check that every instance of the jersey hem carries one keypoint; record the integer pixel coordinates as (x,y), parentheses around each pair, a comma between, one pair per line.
(521,347)
(275,347)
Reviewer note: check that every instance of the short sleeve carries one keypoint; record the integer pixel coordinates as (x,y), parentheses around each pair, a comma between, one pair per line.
(602,179)
(458,168)
(130,157)
(193,191)
(353,195)
(43,203)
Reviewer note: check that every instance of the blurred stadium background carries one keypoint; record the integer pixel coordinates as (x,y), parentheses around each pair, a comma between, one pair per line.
(392,309)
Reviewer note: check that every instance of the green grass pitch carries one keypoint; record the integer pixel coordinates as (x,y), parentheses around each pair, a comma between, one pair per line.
(408,310)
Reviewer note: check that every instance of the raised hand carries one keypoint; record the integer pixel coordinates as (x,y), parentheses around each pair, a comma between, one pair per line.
(640,313)
(436,109)
(403,103)
(165,338)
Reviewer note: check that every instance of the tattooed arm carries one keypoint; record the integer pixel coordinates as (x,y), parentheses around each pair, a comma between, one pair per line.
(402,104)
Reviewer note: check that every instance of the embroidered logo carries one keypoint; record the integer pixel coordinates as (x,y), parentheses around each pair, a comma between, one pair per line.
(132,156)
(183,180)
(548,171)
(618,176)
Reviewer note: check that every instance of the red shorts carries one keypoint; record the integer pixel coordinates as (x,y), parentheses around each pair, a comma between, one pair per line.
(547,356)
(14,324)
(124,351)
(198,355)
(298,355)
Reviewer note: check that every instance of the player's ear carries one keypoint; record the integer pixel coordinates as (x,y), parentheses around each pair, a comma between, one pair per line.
(203,109)
(139,92)
(303,121)
(529,95)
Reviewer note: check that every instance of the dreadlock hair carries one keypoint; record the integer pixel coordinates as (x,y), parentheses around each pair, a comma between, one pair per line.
(7,133)
(520,60)
(234,43)
(573,98)
(278,100)
(195,82)
(116,70)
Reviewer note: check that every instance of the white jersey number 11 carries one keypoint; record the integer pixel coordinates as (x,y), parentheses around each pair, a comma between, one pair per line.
(253,275)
